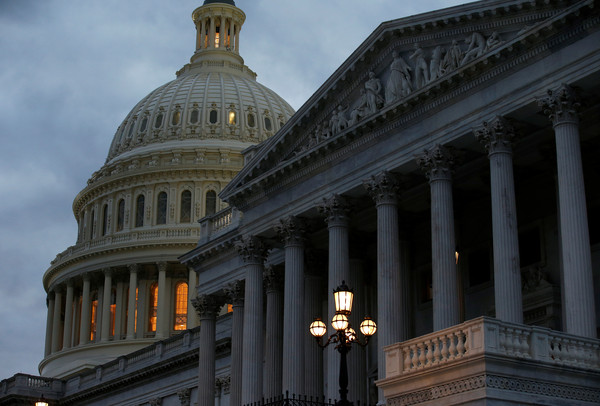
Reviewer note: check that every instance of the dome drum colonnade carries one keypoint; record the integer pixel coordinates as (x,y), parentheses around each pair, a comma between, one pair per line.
(169,159)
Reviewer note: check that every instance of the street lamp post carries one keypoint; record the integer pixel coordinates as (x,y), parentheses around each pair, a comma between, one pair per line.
(344,335)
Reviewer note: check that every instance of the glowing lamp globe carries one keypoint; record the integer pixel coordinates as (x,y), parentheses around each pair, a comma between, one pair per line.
(318,328)
(340,322)
(368,327)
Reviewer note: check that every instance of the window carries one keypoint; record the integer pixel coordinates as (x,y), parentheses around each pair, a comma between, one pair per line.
(232,117)
(194,116)
(120,215)
(213,117)
(268,125)
(185,215)
(104,219)
(211,202)
(93,316)
(139,211)
(113,309)
(144,124)
(181,303)
(92,224)
(176,117)
(251,120)
(131,129)
(161,208)
(158,121)
(153,307)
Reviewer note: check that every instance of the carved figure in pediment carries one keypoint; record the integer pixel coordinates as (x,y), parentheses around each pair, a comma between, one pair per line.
(359,111)
(493,41)
(435,65)
(338,120)
(477,45)
(453,57)
(373,92)
(398,84)
(421,68)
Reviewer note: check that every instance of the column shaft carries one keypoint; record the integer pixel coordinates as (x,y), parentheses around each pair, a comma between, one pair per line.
(161,312)
(106,316)
(192,318)
(68,325)
(49,324)
(207,307)
(56,321)
(237,339)
(274,336)
(313,365)
(84,329)
(131,302)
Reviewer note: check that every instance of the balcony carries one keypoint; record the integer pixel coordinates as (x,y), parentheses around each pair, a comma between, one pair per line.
(487,361)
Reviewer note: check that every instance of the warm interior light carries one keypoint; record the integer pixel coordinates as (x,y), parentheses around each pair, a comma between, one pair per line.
(231,117)
(343,297)
(340,322)
(41,402)
(368,327)
(318,328)
(456,256)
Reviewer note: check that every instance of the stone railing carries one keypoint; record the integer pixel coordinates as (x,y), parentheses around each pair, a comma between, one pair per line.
(162,235)
(213,226)
(487,336)
(31,386)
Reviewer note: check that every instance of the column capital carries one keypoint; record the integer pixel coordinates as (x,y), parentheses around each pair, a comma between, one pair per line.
(252,249)
(107,272)
(184,396)
(335,208)
(383,188)
(207,306)
(235,292)
(560,105)
(133,268)
(273,280)
(292,230)
(438,162)
(496,135)
(161,266)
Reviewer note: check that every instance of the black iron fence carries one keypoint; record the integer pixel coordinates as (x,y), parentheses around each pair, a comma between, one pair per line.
(293,400)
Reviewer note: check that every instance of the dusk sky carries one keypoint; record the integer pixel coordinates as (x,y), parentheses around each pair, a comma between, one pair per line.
(70,71)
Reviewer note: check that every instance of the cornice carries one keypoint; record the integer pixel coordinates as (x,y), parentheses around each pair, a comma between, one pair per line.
(529,45)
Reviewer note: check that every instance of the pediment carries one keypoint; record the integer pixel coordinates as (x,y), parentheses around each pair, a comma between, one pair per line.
(402,63)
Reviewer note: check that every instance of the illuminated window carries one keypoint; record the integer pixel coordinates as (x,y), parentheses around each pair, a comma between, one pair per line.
(158,121)
(231,117)
(139,211)
(181,301)
(229,308)
(153,307)
(94,314)
(161,208)
(176,117)
(105,219)
(113,309)
(211,202)
(121,215)
(185,215)
(217,37)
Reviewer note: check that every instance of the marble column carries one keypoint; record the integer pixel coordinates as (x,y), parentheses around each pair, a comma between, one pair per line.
(253,253)
(292,230)
(84,329)
(561,106)
(49,323)
(131,300)
(313,288)
(497,137)
(119,310)
(68,325)
(357,358)
(56,320)
(163,306)
(235,292)
(192,318)
(392,298)
(207,307)
(211,33)
(105,328)
(274,334)
(438,163)
(335,209)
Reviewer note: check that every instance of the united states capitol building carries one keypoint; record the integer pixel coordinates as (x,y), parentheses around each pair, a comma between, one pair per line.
(447,171)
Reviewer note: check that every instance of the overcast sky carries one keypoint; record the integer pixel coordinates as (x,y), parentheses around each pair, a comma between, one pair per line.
(70,71)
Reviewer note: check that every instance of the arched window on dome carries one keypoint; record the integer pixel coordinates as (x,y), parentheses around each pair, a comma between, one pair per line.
(139,211)
(181,304)
(153,307)
(213,117)
(185,213)
(144,124)
(121,215)
(176,117)
(268,124)
(194,116)
(161,208)
(131,129)
(251,119)
(211,203)
(93,316)
(232,118)
(158,121)
(104,220)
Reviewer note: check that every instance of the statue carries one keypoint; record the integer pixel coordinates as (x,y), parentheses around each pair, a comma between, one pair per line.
(373,90)
(452,58)
(398,84)
(476,48)
(435,65)
(359,111)
(421,68)
(492,41)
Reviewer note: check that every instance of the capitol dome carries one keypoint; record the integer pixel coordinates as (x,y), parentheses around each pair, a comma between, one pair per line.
(121,287)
